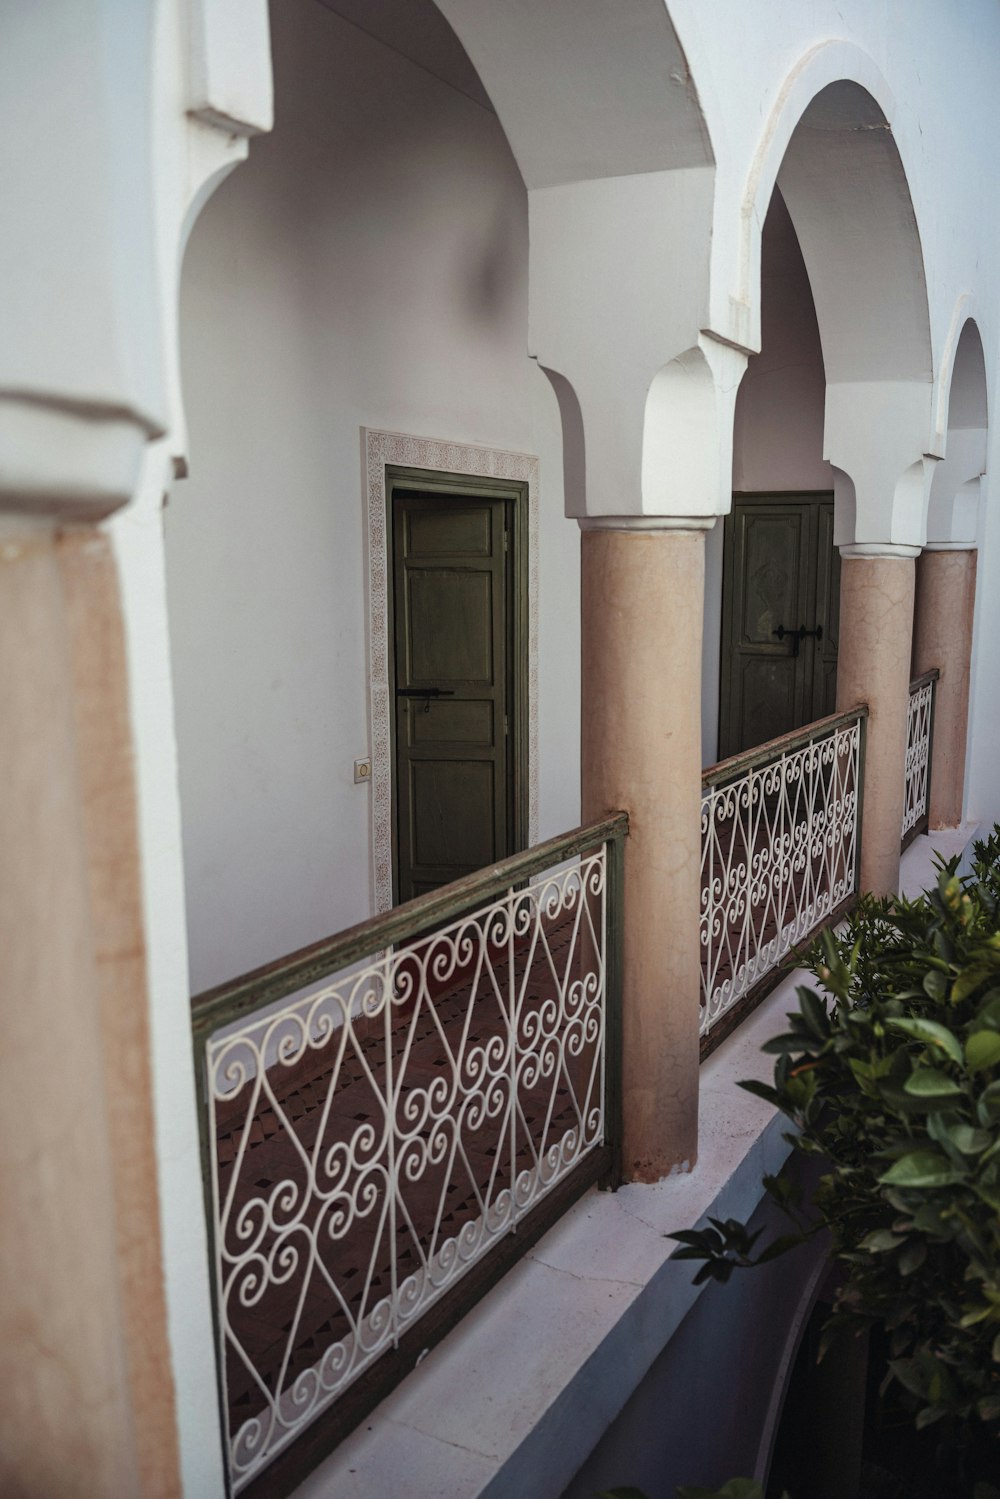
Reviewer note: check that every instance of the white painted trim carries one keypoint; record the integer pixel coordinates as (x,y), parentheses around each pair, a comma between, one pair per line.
(380,449)
(868,550)
(653,523)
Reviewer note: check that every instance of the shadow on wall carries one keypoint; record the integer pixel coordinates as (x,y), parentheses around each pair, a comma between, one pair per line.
(489,268)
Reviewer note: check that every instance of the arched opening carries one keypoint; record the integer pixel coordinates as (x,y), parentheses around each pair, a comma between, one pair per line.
(365,269)
(832,418)
(953,508)
(774,555)
(358,396)
(947,569)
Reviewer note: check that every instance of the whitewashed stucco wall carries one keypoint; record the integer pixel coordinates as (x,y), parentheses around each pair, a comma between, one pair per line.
(366,267)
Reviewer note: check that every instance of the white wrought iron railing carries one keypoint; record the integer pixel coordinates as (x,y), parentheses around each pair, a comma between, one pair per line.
(381,1111)
(779,857)
(919,727)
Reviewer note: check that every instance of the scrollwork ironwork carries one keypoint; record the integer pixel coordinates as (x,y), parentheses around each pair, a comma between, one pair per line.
(918,755)
(374,1138)
(779,847)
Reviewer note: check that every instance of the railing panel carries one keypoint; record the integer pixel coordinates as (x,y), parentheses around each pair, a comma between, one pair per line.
(779,854)
(371,1141)
(919,723)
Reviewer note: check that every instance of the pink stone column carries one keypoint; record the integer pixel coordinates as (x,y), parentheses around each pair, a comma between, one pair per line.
(942,637)
(642,599)
(873,667)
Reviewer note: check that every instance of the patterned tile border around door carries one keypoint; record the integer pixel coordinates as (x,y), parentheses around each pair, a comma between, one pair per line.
(380,449)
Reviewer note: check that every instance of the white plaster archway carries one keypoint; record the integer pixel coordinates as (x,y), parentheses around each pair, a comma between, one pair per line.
(953,507)
(829,145)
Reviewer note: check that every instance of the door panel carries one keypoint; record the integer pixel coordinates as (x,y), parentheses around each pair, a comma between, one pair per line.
(449,623)
(452,630)
(442,838)
(782,574)
(767,696)
(452,722)
(433,533)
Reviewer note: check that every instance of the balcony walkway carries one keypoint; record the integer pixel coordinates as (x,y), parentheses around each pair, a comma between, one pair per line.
(289,1330)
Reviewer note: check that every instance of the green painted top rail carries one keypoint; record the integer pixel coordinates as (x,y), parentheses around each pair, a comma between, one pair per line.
(764,754)
(251,991)
(929,676)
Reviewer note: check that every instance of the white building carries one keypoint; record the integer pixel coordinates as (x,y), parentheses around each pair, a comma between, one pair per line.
(595,267)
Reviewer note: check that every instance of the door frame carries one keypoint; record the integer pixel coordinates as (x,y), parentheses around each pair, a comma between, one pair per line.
(382,451)
(515,496)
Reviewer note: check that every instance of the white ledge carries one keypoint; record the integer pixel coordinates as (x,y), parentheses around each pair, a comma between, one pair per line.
(512,1401)
(917,868)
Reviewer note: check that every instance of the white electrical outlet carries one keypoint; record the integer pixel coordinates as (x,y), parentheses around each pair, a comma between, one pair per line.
(362,771)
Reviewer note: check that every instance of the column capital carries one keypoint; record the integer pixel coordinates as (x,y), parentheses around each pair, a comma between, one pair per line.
(81,386)
(883,549)
(647,523)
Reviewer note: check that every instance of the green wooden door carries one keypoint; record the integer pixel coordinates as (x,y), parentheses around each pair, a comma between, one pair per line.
(453,628)
(780,607)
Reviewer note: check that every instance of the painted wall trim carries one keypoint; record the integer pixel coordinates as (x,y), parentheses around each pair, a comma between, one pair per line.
(399,449)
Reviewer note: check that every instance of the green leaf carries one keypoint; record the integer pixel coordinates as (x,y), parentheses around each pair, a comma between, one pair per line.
(982,1049)
(968,1140)
(989,1007)
(880,1240)
(967,981)
(927,1082)
(921,1168)
(930,1032)
(977,1314)
(912,1257)
(626,1493)
(935,984)
(795,1045)
(814,1013)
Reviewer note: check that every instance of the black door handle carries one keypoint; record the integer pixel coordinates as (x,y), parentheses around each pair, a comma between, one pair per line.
(426,693)
(796,636)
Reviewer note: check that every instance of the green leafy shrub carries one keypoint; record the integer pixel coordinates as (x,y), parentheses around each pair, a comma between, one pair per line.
(892,1077)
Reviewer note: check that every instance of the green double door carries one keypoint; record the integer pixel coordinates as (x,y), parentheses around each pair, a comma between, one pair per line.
(455,638)
(780,618)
